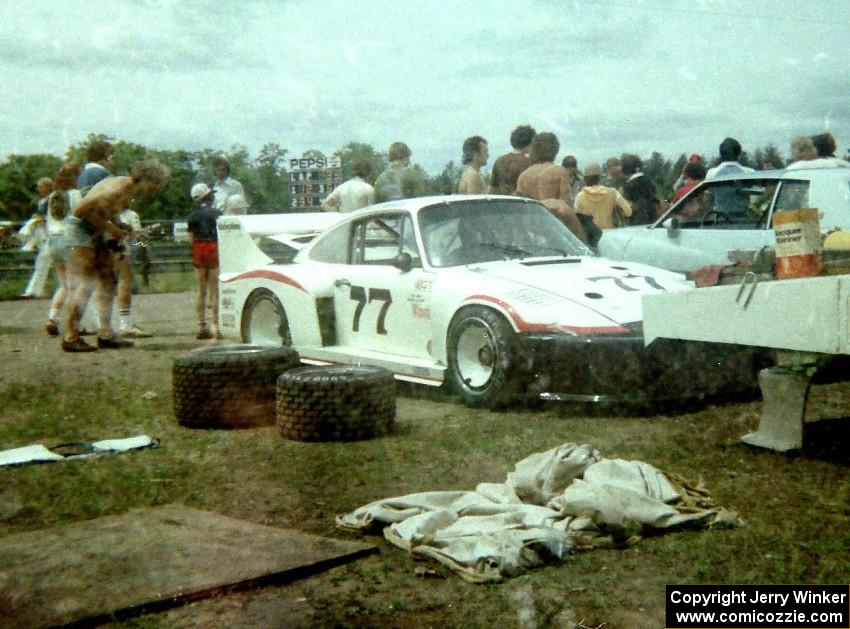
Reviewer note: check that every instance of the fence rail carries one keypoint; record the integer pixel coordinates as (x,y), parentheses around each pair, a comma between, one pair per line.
(164,253)
(163,257)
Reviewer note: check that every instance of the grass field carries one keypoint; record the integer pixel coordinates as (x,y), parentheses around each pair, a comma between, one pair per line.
(795,509)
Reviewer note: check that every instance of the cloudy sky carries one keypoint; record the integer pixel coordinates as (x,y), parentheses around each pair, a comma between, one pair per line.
(605,76)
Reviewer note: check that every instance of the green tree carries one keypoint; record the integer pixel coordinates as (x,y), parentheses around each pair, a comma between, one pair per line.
(239,159)
(125,154)
(268,180)
(768,154)
(447,181)
(202,162)
(18,177)
(355,151)
(172,199)
(660,170)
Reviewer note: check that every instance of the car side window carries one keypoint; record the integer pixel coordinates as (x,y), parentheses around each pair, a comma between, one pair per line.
(793,195)
(380,239)
(733,204)
(333,247)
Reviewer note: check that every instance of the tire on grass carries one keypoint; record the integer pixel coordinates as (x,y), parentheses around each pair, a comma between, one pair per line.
(335,403)
(229,386)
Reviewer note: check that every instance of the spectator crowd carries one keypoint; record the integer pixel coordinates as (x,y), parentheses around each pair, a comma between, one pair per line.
(587,202)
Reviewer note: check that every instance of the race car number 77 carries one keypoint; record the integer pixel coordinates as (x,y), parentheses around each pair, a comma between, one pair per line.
(358,294)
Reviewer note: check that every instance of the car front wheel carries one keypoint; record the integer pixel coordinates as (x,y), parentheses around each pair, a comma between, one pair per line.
(264,320)
(483,357)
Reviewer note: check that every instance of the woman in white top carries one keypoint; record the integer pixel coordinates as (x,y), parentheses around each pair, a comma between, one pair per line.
(60,204)
(35,236)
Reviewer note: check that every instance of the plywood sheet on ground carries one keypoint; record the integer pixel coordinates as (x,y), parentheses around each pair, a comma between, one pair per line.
(149,559)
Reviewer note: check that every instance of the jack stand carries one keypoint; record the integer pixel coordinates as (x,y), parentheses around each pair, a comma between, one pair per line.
(784,391)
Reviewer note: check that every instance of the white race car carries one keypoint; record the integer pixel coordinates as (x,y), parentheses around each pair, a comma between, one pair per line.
(493,294)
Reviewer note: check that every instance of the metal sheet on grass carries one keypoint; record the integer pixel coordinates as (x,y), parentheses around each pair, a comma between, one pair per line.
(147,560)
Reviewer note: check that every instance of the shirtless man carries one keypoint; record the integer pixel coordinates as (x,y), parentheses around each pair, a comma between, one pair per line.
(508,167)
(549,183)
(90,260)
(475,154)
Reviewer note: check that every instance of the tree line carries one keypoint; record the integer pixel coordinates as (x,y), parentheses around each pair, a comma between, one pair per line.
(264,176)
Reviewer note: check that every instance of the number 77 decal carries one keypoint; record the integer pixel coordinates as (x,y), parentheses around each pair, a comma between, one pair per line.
(358,294)
(621,284)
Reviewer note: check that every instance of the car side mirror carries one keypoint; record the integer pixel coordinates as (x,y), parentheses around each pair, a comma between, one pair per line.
(672,227)
(403,262)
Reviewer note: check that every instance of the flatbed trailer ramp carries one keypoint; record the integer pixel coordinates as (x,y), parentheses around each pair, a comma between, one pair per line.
(809,317)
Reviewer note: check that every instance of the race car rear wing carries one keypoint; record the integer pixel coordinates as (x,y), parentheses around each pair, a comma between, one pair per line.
(238,236)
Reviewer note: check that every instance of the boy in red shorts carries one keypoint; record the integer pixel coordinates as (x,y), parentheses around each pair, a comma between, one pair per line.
(204,240)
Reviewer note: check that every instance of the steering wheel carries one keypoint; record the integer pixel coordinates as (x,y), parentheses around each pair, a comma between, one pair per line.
(713,218)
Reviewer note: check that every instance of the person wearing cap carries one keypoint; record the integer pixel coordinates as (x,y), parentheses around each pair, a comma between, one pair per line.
(601,202)
(235,205)
(203,236)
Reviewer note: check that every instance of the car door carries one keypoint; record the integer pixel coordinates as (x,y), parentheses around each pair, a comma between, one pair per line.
(382,299)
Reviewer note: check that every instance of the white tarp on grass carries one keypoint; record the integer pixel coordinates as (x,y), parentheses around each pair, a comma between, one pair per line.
(38,453)
(553,502)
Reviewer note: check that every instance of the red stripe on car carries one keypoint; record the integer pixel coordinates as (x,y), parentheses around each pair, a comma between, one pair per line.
(524,326)
(268,275)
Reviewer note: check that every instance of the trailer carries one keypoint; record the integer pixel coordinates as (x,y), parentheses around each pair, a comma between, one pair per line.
(806,319)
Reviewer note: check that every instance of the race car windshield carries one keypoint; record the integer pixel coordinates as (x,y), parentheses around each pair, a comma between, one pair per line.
(484,231)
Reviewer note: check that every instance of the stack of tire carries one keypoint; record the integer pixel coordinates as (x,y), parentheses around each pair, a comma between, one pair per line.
(229,386)
(335,403)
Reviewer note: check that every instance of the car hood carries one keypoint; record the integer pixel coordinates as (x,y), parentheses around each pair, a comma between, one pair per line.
(613,243)
(607,291)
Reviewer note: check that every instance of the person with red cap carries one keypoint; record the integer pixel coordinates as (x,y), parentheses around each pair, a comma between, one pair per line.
(693,158)
(692,175)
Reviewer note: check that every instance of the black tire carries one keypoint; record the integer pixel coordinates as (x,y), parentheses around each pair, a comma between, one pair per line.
(264,320)
(335,403)
(229,386)
(483,357)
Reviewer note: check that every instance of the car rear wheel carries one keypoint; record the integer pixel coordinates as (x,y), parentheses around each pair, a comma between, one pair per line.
(483,358)
(264,320)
